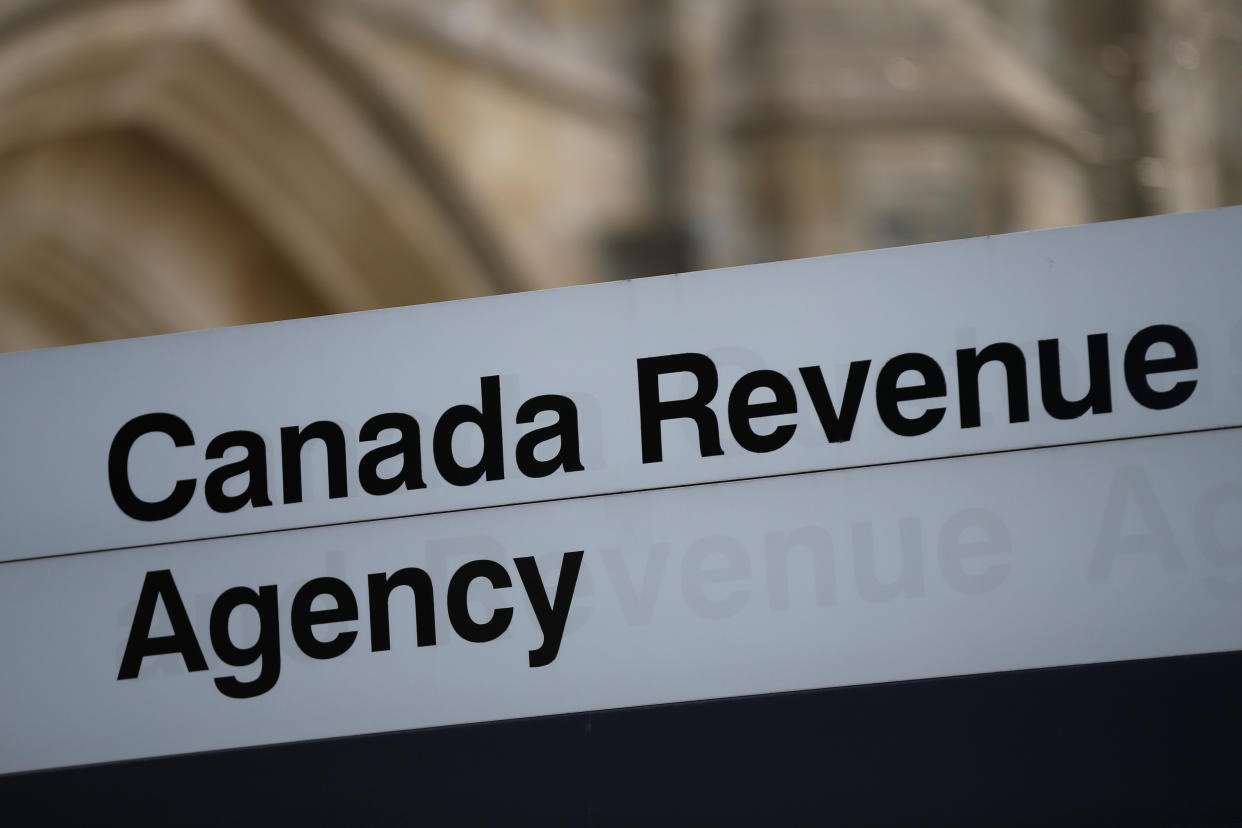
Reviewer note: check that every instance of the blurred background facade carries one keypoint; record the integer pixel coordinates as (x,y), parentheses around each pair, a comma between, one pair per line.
(169,165)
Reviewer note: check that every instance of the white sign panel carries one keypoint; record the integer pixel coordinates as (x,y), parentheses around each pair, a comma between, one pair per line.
(966,457)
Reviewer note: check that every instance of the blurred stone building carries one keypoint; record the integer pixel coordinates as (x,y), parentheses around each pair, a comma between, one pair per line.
(176,164)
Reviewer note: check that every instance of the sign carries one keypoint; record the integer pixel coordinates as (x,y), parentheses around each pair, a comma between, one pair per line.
(958,458)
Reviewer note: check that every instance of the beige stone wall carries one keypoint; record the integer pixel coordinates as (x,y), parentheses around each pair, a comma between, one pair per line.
(239,169)
(548,174)
(176,164)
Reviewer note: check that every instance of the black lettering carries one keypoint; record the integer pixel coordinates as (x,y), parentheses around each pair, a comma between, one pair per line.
(888,395)
(551,615)
(253,465)
(1099,396)
(118,467)
(970,362)
(487,418)
(380,587)
(742,410)
(837,428)
(160,585)
(292,441)
(565,430)
(652,411)
(303,619)
(266,648)
(459,611)
(406,446)
(1138,367)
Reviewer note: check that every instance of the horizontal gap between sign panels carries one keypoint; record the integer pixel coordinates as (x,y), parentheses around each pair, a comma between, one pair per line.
(481,508)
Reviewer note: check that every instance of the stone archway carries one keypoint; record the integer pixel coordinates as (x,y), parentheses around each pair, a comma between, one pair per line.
(191,160)
(113,234)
